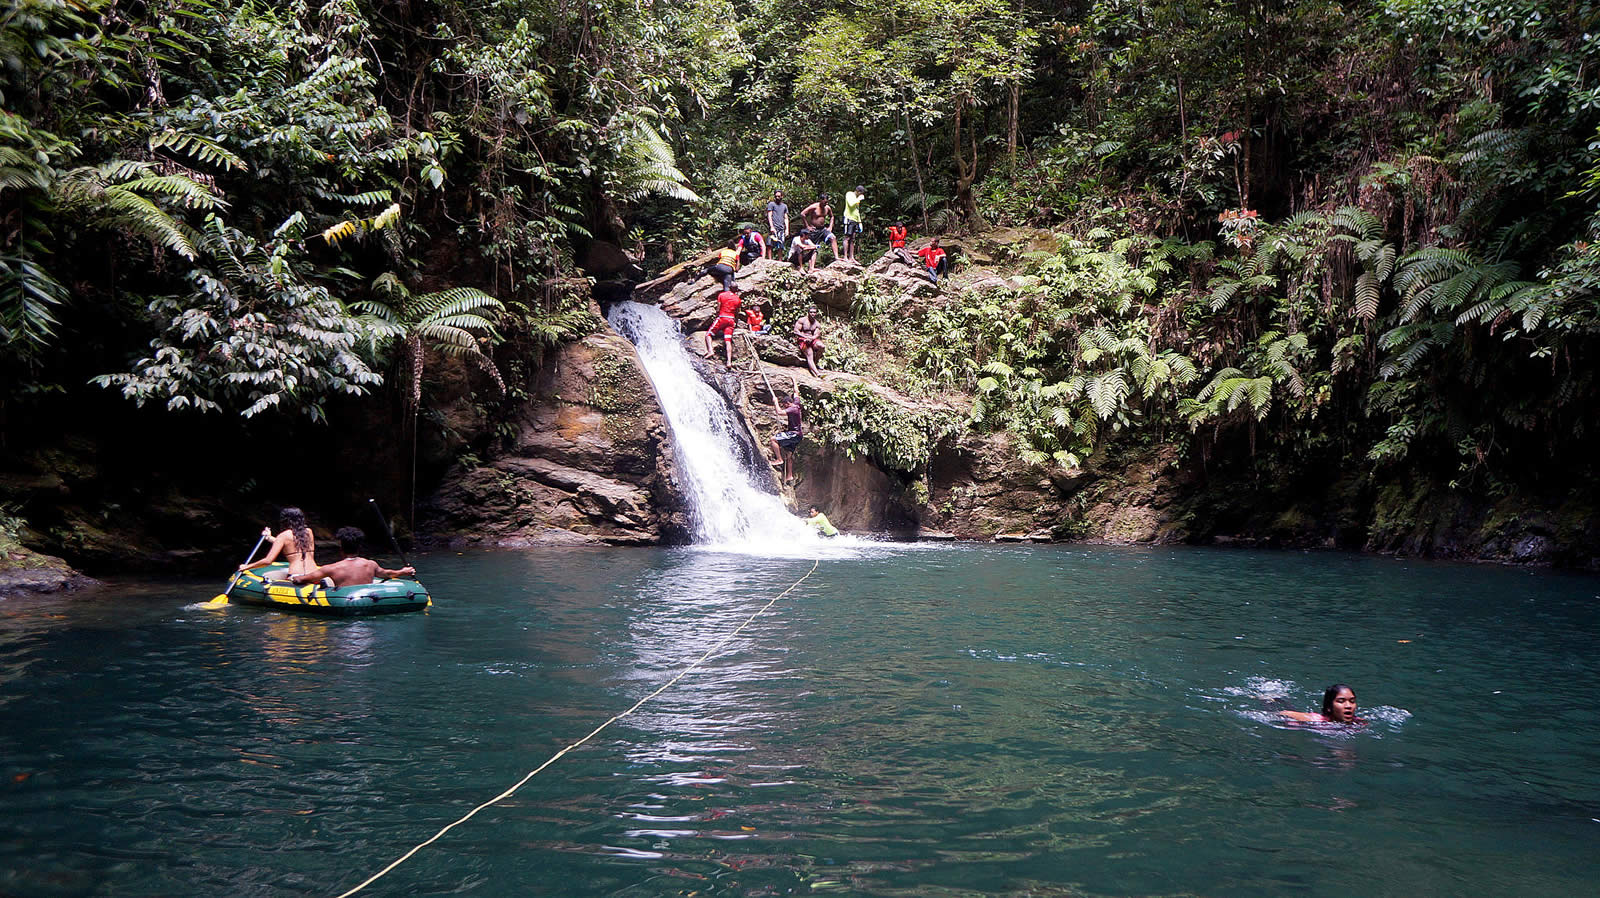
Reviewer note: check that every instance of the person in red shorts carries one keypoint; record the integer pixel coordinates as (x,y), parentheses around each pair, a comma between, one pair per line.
(808,337)
(727,320)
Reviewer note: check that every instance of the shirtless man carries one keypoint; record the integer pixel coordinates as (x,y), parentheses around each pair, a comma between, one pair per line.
(352,569)
(808,339)
(295,544)
(819,218)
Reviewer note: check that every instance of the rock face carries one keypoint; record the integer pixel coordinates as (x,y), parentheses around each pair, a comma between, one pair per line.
(591,463)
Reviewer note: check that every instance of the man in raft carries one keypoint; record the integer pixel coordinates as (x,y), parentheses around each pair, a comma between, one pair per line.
(352,569)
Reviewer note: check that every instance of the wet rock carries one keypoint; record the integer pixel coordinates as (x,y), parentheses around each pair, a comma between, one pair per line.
(590,462)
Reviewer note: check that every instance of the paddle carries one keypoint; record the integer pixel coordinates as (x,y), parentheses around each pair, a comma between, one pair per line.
(392,541)
(223,598)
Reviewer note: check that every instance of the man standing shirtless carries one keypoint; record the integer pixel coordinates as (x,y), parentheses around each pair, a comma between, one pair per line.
(819,218)
(808,339)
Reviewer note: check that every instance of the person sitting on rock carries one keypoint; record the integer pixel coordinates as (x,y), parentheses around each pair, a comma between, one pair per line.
(808,339)
(751,246)
(727,321)
(897,244)
(821,523)
(755,319)
(726,264)
(934,260)
(803,253)
(784,442)
(352,569)
(819,218)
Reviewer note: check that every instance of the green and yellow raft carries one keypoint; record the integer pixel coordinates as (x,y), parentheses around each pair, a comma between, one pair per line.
(257,587)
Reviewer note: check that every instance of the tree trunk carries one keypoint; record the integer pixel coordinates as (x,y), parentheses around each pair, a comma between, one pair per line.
(922,192)
(966,173)
(1011,127)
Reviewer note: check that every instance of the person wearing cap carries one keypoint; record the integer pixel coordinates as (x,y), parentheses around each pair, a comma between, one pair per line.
(808,338)
(852,220)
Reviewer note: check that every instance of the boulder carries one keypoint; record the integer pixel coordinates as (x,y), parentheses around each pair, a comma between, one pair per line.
(604,261)
(590,462)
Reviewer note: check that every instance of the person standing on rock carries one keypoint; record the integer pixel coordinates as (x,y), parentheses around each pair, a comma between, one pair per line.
(726,265)
(852,220)
(784,443)
(727,321)
(808,339)
(778,220)
(819,218)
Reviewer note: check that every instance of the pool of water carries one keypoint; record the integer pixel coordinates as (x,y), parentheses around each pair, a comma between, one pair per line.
(912,720)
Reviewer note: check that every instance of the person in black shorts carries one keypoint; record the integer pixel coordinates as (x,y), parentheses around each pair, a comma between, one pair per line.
(784,443)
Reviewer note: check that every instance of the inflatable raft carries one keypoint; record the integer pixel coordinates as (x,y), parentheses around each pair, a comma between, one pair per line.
(257,587)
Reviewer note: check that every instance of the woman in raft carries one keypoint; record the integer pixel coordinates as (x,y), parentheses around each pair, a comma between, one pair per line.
(295,544)
(1338,706)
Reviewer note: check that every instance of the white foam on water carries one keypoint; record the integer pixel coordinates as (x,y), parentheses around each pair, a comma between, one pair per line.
(731,513)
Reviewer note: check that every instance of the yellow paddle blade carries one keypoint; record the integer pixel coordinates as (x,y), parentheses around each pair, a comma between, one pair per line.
(219,600)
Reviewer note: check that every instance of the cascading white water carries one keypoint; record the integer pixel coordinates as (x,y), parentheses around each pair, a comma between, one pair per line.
(729,510)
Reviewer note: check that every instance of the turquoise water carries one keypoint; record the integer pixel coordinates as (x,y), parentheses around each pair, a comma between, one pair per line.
(911,721)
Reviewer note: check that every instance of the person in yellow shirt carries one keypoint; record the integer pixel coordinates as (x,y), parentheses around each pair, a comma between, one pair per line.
(821,523)
(852,220)
(726,264)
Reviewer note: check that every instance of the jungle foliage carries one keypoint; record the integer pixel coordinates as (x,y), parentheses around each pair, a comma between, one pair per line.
(1349,233)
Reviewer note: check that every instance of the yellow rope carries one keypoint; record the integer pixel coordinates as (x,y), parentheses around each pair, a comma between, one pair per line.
(557,756)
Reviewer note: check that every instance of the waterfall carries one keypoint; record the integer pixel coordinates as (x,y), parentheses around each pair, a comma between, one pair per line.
(728,508)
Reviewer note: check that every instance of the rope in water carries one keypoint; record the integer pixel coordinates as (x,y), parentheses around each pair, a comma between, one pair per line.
(557,756)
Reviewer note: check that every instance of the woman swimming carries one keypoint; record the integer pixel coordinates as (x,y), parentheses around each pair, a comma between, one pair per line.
(295,543)
(1338,706)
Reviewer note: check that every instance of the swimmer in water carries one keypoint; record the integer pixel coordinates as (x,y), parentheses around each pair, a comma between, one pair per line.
(1338,706)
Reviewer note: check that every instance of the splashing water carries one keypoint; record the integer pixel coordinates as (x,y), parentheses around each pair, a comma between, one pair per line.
(728,508)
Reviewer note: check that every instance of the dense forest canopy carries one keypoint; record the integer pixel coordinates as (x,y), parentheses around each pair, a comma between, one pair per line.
(1352,232)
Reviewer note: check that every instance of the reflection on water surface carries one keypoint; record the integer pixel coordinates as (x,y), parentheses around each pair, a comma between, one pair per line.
(912,720)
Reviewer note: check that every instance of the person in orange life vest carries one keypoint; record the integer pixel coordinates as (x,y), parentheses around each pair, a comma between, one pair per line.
(754,318)
(727,321)
(726,264)
(751,246)
(897,244)
(933,259)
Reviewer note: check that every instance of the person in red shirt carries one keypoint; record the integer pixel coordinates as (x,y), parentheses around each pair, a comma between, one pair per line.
(897,243)
(727,321)
(933,259)
(754,318)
